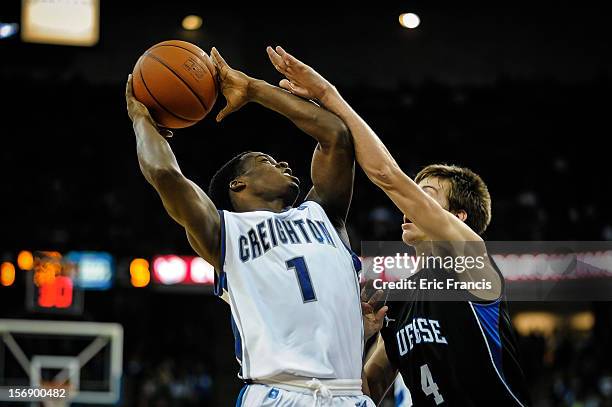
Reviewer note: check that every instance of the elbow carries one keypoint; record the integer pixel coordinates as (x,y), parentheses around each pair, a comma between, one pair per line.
(338,135)
(342,134)
(160,176)
(375,383)
(384,175)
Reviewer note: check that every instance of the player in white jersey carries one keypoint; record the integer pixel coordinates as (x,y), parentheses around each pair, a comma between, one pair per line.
(286,272)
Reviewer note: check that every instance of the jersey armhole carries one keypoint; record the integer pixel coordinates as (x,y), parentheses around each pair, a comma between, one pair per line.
(220,281)
(356,260)
(502,289)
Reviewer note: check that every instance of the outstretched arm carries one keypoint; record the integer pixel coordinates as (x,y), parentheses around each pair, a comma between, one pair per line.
(382,169)
(184,201)
(372,155)
(332,168)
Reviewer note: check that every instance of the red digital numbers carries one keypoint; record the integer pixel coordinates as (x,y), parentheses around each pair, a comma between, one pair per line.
(56,293)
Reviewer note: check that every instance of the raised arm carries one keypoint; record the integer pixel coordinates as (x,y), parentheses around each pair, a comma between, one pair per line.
(332,168)
(184,201)
(372,155)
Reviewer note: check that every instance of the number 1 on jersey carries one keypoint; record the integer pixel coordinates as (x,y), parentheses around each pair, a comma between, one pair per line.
(303,276)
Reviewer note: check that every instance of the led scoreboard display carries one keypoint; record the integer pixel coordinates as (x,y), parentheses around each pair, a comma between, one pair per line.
(52,287)
(183,273)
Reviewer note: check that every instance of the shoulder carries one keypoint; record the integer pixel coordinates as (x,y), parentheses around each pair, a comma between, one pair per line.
(339,226)
(315,208)
(311,204)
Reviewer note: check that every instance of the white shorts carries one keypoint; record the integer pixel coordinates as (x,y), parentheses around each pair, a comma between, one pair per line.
(260,395)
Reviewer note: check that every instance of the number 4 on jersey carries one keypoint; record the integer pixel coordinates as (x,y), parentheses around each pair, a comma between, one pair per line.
(303,276)
(429,386)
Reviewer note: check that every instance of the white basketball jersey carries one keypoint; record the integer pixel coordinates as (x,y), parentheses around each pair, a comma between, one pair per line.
(293,290)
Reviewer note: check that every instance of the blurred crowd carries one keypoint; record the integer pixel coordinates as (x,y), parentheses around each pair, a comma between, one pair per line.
(568,370)
(166,383)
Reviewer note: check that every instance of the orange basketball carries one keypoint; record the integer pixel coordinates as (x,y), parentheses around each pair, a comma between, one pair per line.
(175,80)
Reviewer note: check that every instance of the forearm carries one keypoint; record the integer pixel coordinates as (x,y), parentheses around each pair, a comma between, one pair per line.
(322,125)
(378,380)
(154,153)
(184,201)
(364,383)
(370,152)
(382,169)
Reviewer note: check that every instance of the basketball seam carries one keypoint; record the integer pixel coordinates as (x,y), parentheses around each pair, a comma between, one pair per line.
(148,54)
(188,50)
(157,101)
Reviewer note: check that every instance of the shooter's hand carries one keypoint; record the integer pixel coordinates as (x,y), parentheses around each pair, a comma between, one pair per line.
(234,85)
(372,319)
(136,109)
(300,79)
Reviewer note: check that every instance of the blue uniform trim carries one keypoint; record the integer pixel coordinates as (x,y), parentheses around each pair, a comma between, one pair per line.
(489,350)
(273,394)
(356,260)
(488,315)
(221,279)
(241,395)
(220,284)
(399,398)
(237,340)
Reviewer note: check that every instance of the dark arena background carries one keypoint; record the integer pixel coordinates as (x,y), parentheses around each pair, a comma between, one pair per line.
(519,92)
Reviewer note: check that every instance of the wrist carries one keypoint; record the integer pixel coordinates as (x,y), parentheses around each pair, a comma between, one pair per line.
(138,118)
(254,88)
(141,118)
(329,95)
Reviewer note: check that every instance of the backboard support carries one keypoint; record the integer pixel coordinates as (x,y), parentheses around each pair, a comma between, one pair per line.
(58,353)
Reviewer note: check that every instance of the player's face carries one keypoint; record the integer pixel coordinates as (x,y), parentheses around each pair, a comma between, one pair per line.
(438,189)
(271,179)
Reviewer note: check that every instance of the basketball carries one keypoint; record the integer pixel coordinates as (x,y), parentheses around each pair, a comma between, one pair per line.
(175,80)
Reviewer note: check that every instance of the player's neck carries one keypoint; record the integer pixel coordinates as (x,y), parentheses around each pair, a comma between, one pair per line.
(423,248)
(260,204)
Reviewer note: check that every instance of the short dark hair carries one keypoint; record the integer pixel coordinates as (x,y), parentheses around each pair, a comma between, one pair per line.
(218,189)
(467,192)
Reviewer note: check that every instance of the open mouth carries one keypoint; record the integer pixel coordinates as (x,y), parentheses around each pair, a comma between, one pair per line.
(288,173)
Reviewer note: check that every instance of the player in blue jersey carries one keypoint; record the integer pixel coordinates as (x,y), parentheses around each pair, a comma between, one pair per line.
(455,353)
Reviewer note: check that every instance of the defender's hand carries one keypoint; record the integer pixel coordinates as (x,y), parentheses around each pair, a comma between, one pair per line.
(301,79)
(234,85)
(137,110)
(372,319)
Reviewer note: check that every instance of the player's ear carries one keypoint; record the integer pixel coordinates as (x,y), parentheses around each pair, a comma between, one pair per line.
(462,215)
(237,185)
